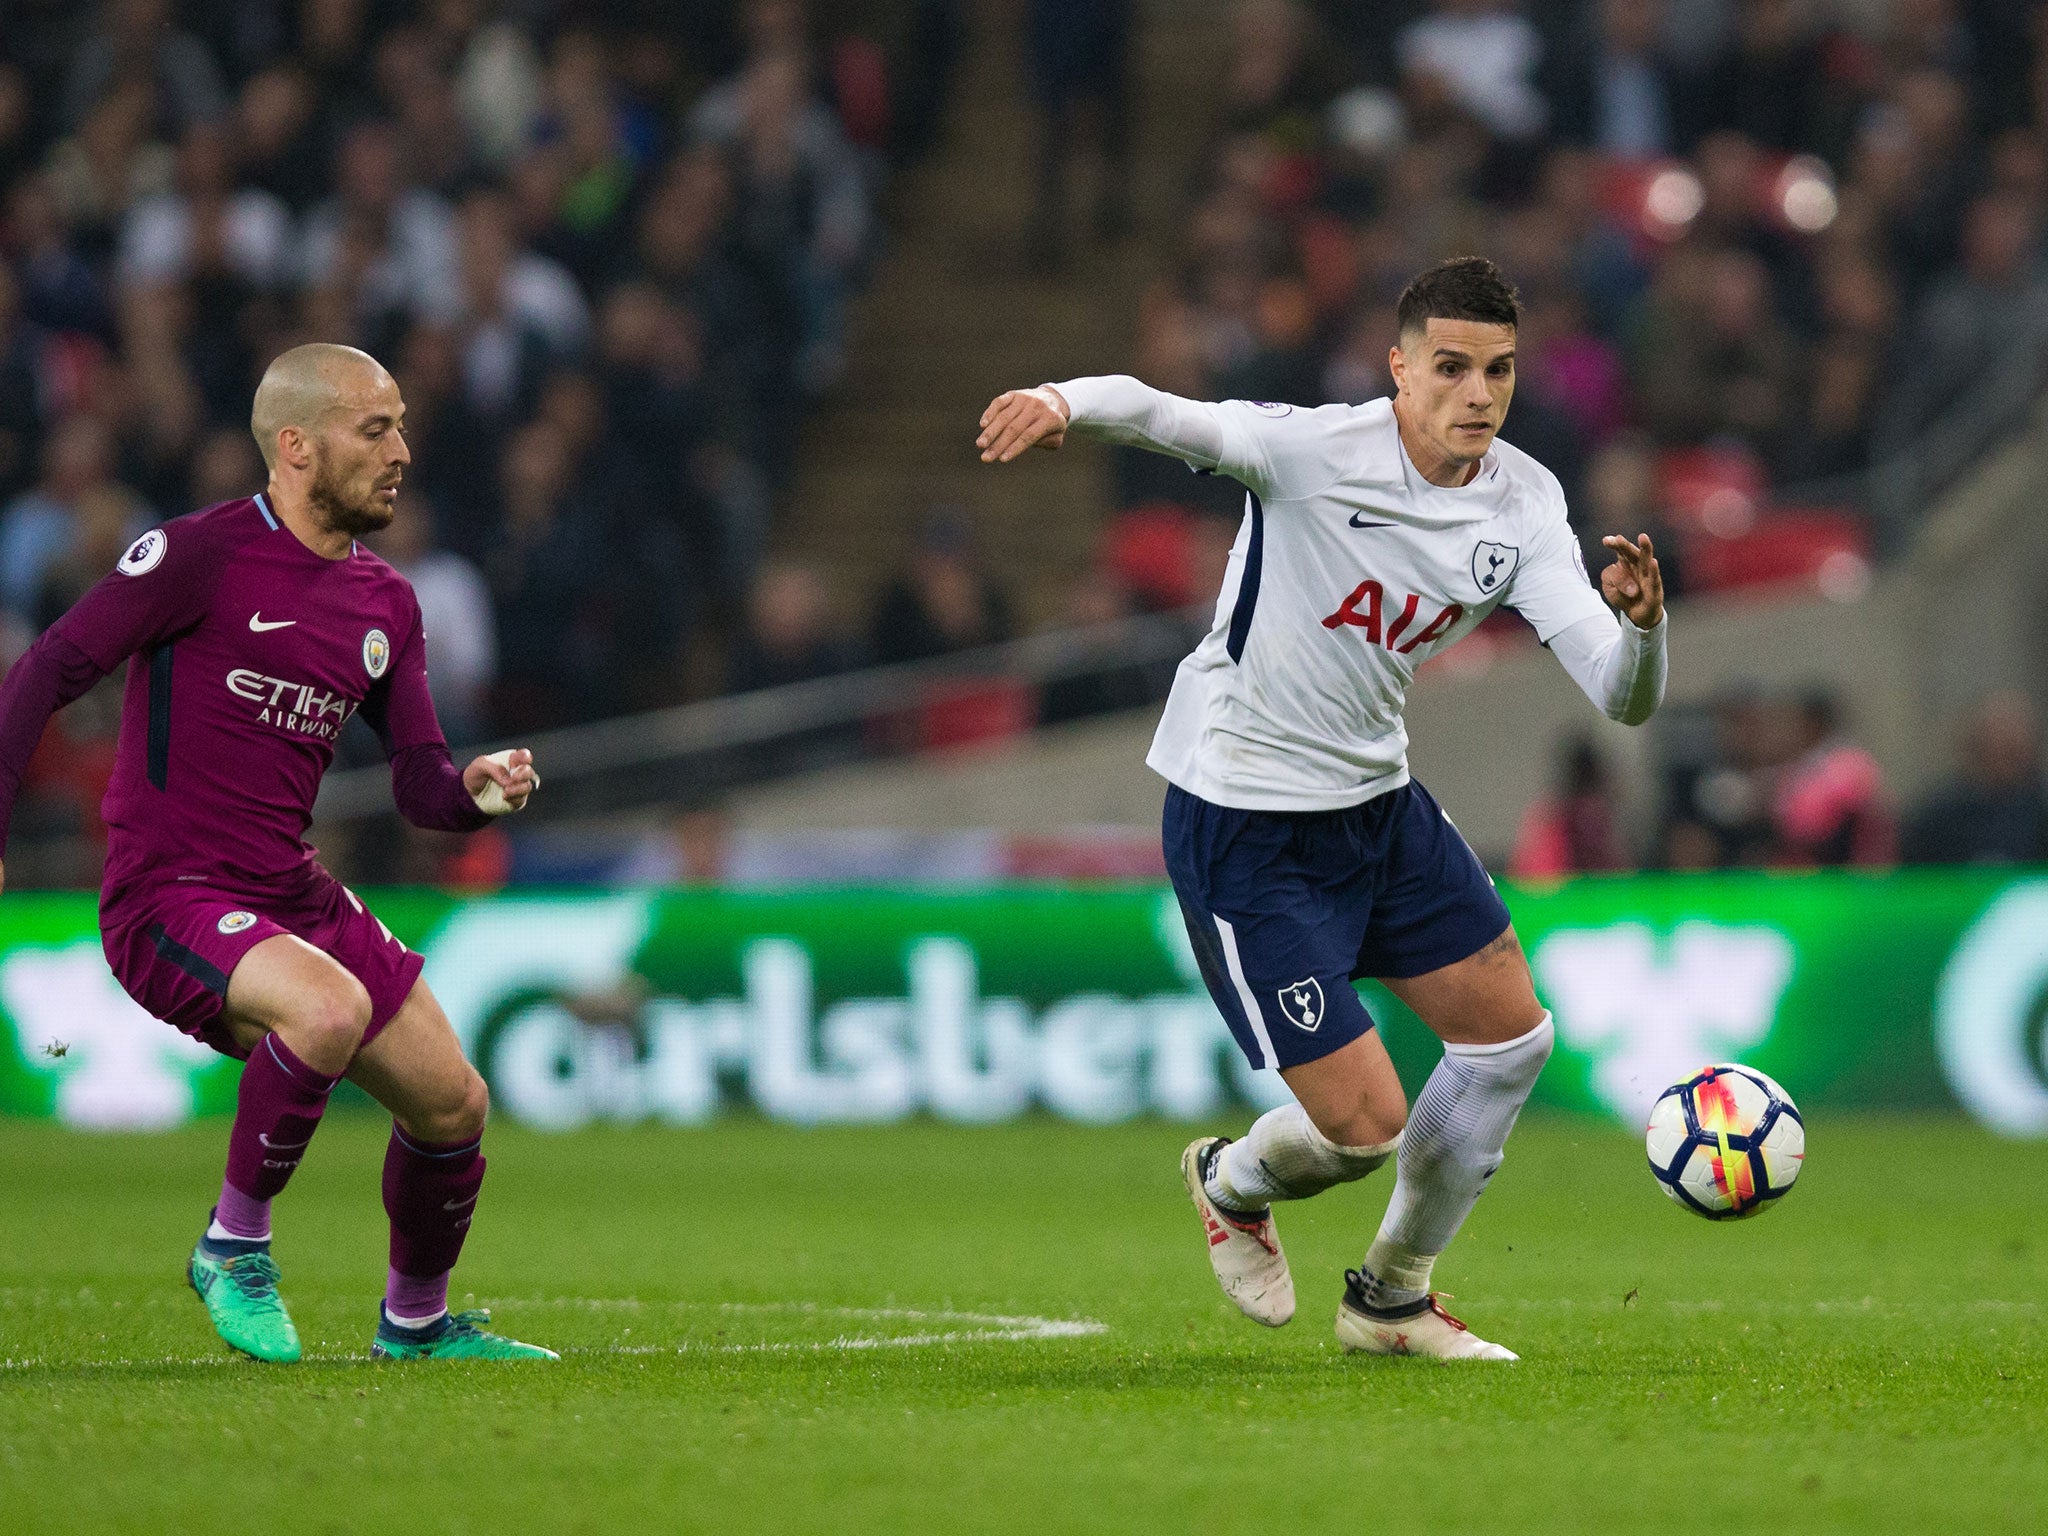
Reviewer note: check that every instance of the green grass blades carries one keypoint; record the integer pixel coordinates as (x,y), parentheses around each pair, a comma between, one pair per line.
(1015,1330)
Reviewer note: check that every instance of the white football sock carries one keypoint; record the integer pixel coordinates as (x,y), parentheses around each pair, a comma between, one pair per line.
(1284,1157)
(1454,1142)
(414,1324)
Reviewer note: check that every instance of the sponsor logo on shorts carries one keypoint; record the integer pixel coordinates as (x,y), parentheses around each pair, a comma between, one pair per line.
(1302,1004)
(145,553)
(1270,407)
(237,922)
(376,652)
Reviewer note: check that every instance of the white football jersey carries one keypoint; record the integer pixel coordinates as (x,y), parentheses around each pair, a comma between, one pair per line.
(1349,572)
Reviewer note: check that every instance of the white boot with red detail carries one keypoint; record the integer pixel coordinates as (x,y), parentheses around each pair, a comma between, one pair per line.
(1421,1328)
(1244,1248)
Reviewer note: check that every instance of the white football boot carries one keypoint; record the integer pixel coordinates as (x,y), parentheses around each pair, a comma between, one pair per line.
(1244,1251)
(1422,1328)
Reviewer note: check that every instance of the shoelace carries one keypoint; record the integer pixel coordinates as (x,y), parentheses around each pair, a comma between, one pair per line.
(255,1275)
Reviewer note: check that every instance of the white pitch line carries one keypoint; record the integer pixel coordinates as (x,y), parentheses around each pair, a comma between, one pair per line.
(981,1328)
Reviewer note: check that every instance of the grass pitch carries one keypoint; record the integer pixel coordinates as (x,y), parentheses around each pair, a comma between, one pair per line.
(895,1329)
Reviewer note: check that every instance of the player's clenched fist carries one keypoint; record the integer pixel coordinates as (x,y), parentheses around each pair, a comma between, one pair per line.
(1022,418)
(501,781)
(1633,584)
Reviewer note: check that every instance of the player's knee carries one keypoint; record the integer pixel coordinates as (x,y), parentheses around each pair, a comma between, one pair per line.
(456,1115)
(335,1017)
(473,1108)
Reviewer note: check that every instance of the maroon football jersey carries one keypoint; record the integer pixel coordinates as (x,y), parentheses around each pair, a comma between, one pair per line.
(249,654)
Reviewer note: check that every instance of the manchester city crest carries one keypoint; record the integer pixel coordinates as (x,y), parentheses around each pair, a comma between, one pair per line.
(376,653)
(1301,1003)
(1493,564)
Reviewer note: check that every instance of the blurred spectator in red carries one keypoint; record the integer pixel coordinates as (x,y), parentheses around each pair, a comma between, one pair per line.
(1829,806)
(1993,811)
(943,601)
(1575,828)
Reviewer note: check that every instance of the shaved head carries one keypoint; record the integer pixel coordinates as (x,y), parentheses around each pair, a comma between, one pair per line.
(330,423)
(306,385)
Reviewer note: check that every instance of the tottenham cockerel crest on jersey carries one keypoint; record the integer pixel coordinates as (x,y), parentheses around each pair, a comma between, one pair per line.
(1493,564)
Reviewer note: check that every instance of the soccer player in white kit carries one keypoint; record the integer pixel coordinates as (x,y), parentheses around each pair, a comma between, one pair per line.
(1304,856)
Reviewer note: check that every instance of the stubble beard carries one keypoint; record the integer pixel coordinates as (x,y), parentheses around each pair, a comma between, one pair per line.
(339,511)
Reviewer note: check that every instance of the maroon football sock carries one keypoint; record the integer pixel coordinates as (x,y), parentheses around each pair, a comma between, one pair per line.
(430,1191)
(277,1110)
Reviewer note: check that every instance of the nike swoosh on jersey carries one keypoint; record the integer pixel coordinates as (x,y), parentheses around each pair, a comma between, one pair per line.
(1357,524)
(260,624)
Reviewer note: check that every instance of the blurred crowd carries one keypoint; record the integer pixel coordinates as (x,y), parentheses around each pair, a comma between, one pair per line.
(1760,242)
(1777,780)
(606,249)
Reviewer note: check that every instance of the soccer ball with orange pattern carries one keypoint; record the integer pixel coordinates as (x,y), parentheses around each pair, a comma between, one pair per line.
(1727,1142)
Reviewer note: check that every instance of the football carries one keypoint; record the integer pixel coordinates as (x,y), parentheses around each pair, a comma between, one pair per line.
(1725,1143)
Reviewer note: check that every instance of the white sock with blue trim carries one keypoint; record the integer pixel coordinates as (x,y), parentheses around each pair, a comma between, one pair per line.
(1284,1157)
(1456,1138)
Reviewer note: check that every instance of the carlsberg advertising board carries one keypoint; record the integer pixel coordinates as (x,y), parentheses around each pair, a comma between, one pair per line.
(1915,990)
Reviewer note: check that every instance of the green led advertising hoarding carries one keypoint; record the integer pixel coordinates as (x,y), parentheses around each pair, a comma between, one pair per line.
(1917,990)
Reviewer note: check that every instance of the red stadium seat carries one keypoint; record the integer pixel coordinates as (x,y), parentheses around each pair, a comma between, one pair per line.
(1717,489)
(1822,547)
(1150,551)
(973,712)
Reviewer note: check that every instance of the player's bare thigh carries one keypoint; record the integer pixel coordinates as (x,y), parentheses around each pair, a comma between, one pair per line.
(286,986)
(1484,999)
(415,1068)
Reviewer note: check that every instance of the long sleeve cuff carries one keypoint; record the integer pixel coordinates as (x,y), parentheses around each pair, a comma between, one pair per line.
(428,788)
(1619,667)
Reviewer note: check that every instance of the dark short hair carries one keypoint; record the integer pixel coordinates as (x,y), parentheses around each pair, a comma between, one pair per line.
(1462,288)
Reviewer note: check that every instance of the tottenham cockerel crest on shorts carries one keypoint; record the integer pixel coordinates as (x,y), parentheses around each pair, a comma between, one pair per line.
(1302,1003)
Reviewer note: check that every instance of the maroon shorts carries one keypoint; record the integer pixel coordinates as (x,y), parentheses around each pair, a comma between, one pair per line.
(173,945)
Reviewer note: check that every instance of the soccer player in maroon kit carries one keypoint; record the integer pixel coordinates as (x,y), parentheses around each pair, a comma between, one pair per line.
(256,629)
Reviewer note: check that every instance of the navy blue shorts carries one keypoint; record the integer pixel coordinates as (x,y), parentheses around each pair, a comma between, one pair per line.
(1287,908)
